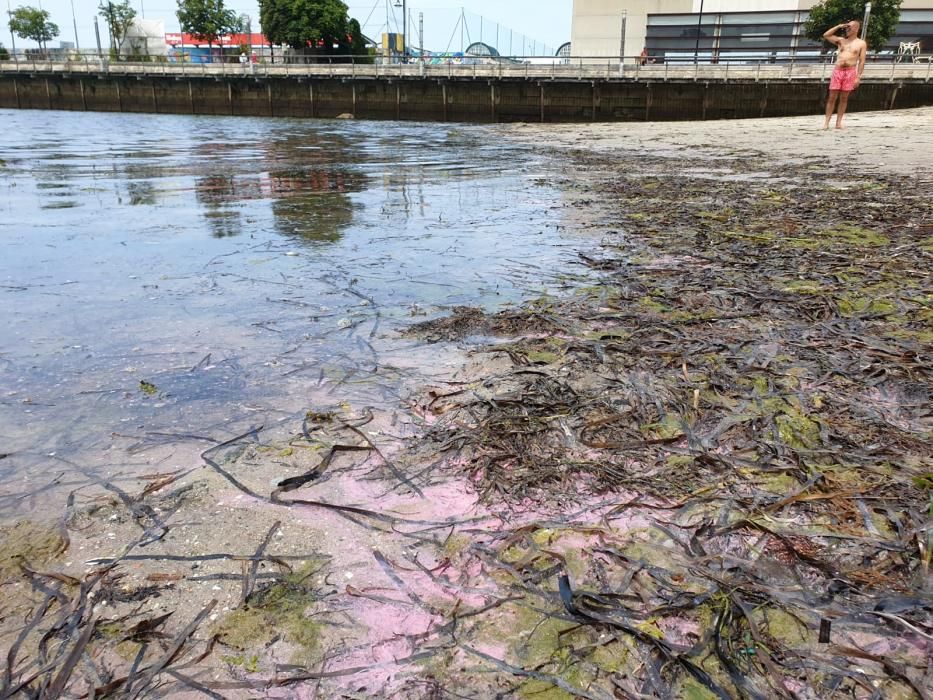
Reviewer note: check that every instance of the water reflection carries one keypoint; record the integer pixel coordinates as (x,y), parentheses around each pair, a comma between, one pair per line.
(184,240)
(141,193)
(313,205)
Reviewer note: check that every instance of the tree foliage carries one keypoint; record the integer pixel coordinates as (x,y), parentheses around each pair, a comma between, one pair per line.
(301,24)
(119,17)
(4,54)
(885,14)
(357,40)
(32,23)
(207,20)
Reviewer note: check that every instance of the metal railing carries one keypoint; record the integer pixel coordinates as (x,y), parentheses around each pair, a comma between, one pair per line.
(517,67)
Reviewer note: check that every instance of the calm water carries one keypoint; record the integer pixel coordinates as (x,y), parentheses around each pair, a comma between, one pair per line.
(239,267)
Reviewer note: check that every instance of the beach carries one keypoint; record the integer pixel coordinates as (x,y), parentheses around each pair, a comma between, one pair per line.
(699,468)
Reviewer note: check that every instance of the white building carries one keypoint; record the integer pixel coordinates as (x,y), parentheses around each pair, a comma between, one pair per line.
(668,29)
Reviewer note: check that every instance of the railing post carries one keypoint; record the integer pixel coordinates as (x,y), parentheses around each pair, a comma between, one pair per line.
(893,65)
(929,66)
(790,70)
(666,66)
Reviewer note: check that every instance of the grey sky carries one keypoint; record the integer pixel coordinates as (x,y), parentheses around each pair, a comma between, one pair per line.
(521,24)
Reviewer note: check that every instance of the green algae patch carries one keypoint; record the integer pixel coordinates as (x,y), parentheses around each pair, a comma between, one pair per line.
(541,357)
(31,543)
(692,689)
(547,643)
(781,626)
(779,484)
(855,305)
(652,305)
(796,428)
(542,690)
(856,235)
(803,287)
(148,388)
(249,663)
(669,427)
(611,333)
(278,609)
(679,461)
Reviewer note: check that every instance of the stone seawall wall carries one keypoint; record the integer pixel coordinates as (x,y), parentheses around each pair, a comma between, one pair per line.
(479,100)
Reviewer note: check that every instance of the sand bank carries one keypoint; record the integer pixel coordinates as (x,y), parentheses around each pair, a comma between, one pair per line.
(896,142)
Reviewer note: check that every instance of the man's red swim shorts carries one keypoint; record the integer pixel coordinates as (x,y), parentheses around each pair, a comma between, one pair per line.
(844,79)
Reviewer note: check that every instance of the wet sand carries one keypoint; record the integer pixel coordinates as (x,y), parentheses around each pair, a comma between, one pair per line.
(424,558)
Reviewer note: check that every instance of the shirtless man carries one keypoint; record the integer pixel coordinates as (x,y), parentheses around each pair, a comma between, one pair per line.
(848,71)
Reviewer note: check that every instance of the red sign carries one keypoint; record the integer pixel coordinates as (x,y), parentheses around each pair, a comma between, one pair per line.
(254,39)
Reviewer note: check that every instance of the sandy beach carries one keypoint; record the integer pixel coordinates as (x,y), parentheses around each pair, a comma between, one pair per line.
(702,471)
(895,142)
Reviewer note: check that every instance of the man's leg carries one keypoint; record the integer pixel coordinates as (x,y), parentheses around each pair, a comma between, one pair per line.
(830,106)
(843,103)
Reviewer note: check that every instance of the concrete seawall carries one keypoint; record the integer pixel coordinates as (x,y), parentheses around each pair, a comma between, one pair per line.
(486,99)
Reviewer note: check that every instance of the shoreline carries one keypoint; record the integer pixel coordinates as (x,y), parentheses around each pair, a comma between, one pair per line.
(895,142)
(644,440)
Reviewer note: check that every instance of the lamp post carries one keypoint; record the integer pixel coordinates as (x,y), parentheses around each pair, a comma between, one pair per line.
(696,50)
(100,51)
(404,6)
(74,23)
(622,37)
(865,20)
(9,13)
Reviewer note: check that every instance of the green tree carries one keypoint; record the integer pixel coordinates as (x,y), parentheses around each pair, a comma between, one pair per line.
(357,40)
(885,14)
(119,17)
(32,23)
(207,20)
(4,54)
(301,24)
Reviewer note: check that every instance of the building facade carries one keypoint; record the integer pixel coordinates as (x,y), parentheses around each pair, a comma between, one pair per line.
(726,29)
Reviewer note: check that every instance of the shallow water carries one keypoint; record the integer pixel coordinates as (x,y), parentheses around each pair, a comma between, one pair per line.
(183,278)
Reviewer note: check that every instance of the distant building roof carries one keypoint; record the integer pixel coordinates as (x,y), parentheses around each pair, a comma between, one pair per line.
(478,48)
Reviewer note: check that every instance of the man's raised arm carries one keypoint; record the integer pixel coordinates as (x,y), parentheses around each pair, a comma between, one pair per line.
(830,34)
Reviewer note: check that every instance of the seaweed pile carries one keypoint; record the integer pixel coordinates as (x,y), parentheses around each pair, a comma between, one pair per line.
(753,367)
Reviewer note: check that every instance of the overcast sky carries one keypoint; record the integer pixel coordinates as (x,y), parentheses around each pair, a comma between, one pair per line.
(523,24)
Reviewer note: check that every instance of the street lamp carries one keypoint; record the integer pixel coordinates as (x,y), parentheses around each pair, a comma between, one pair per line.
(402,4)
(696,50)
(74,22)
(865,20)
(12,36)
